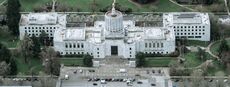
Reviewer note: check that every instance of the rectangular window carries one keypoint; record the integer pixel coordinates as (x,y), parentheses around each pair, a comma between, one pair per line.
(150,45)
(146,45)
(70,45)
(82,45)
(162,45)
(66,46)
(78,46)
(197,36)
(74,45)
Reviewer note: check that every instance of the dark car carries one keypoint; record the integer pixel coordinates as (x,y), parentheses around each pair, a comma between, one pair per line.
(153,71)
(153,84)
(139,82)
(89,80)
(95,84)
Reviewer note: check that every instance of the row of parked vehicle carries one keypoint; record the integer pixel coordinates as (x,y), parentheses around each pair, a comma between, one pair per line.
(111,80)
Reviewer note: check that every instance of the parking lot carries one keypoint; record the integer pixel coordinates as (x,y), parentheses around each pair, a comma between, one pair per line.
(114,75)
(92,78)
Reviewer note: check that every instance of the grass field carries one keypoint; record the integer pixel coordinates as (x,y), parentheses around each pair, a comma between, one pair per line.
(158,61)
(197,43)
(72,62)
(10,43)
(25,69)
(191,60)
(85,5)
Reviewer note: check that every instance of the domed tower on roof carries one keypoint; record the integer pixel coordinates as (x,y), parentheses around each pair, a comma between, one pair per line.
(114,22)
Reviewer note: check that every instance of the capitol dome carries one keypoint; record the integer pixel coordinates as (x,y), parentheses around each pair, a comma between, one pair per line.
(114,21)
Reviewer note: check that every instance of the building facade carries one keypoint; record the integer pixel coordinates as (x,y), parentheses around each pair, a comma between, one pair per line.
(190,25)
(35,23)
(115,36)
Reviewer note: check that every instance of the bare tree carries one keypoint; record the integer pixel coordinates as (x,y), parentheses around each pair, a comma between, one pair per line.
(50,61)
(26,48)
(4,69)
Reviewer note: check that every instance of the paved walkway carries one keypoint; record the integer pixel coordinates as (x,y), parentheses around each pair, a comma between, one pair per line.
(208,48)
(181,5)
(3,2)
(226,6)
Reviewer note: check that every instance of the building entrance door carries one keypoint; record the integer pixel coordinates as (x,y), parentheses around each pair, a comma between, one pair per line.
(114,50)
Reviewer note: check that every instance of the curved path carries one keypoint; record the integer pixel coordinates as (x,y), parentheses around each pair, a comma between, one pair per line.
(3,2)
(208,49)
(181,5)
(226,6)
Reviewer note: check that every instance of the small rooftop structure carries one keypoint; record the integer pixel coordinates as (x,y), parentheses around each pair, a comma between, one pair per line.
(37,18)
(158,34)
(187,18)
(74,34)
(50,18)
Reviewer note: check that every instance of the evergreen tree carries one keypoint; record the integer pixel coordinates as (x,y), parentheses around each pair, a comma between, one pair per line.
(88,60)
(43,38)
(201,54)
(36,49)
(13,67)
(5,54)
(143,1)
(223,46)
(140,59)
(13,16)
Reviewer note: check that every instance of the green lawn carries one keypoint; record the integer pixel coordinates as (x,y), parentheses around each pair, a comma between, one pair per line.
(197,43)
(215,47)
(7,39)
(10,43)
(72,62)
(23,68)
(85,5)
(218,67)
(191,60)
(158,61)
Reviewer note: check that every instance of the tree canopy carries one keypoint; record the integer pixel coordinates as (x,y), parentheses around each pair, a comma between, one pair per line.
(13,16)
(51,61)
(140,59)
(88,60)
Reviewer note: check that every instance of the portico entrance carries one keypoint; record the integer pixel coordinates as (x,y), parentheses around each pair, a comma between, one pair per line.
(114,50)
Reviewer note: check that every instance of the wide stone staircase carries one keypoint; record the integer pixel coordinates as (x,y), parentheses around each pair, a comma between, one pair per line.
(113,61)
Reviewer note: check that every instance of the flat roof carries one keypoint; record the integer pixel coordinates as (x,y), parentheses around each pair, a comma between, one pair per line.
(47,18)
(185,18)
(74,34)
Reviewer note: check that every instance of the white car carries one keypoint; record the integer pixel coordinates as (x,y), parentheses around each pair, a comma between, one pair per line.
(66,77)
(122,71)
(103,81)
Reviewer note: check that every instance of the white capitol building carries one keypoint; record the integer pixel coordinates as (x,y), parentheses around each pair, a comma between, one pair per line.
(115,36)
